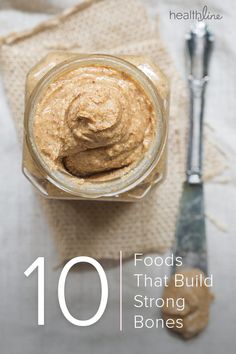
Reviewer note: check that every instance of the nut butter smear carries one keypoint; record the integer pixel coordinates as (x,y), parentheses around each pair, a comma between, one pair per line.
(198,299)
(94,122)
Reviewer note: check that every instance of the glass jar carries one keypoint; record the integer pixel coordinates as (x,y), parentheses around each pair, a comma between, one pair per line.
(136,183)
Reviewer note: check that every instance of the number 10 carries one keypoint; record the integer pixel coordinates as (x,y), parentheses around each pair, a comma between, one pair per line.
(40,266)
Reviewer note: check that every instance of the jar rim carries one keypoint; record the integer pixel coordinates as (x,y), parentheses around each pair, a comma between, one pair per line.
(118,185)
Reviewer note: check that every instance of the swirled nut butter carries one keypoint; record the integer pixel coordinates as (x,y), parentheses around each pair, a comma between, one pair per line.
(95,126)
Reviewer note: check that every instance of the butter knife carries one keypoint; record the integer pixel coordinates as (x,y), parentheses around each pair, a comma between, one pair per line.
(190,238)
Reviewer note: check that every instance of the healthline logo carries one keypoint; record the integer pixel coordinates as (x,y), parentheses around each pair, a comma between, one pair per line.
(195,15)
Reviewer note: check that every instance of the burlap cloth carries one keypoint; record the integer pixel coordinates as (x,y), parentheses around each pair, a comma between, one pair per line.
(100,229)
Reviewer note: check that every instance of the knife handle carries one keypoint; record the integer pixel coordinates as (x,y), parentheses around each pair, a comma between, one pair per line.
(194,161)
(199,47)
